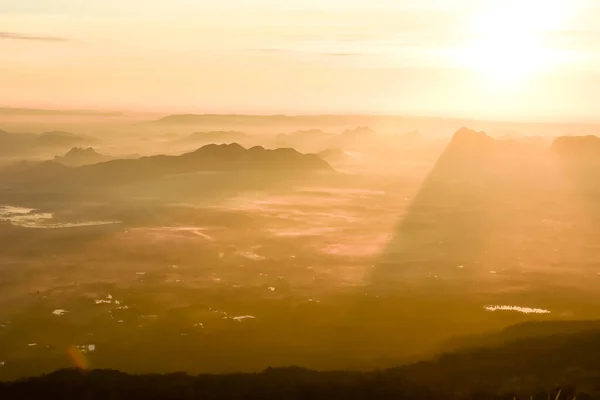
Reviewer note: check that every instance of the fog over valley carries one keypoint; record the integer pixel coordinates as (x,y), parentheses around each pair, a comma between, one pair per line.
(316,242)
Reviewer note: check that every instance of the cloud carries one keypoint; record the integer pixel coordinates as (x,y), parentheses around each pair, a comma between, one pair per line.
(345,54)
(306,52)
(267,50)
(19,36)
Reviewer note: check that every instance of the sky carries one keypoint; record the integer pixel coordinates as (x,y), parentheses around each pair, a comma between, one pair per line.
(502,59)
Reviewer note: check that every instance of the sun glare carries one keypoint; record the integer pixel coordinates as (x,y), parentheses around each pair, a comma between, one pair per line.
(509,43)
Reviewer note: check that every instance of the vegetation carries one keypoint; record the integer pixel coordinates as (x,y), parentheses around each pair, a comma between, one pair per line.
(289,384)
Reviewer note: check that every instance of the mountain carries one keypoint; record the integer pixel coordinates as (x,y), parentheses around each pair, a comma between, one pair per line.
(77,157)
(477,203)
(231,157)
(32,111)
(476,153)
(468,142)
(23,143)
(358,138)
(266,120)
(577,148)
(213,157)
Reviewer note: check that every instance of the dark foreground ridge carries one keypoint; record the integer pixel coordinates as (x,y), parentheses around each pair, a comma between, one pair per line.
(283,383)
(559,366)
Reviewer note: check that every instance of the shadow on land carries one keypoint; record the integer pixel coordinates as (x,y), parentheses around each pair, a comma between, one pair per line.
(494,223)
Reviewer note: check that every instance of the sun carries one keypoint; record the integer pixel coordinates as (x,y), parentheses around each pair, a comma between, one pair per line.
(508,43)
(507,60)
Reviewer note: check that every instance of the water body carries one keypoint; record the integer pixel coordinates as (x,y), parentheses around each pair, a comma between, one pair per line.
(524,310)
(32,218)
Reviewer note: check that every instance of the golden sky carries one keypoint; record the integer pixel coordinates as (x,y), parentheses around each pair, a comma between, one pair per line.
(531,59)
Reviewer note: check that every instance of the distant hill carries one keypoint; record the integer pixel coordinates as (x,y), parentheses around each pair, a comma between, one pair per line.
(471,149)
(235,119)
(77,157)
(35,111)
(431,127)
(469,141)
(23,143)
(578,148)
(232,157)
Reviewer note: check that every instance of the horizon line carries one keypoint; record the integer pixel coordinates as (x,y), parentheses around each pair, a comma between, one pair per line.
(166,113)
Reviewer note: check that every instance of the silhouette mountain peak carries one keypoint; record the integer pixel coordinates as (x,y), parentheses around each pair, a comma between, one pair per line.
(220,149)
(79,156)
(82,151)
(467,134)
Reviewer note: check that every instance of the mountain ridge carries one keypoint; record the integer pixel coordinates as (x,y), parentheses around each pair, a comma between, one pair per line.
(79,156)
(213,157)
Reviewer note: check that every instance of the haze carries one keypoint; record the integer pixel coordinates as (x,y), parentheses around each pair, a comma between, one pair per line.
(523,60)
